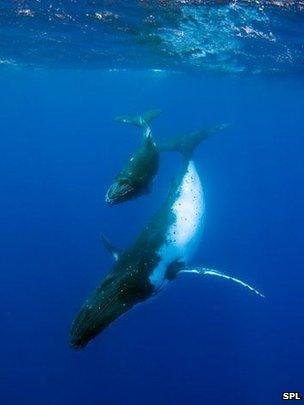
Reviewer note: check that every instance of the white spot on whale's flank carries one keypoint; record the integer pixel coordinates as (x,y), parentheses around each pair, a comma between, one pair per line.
(188,210)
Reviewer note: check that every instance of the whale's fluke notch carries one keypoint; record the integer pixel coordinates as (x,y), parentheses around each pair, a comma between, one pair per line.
(204,271)
(114,251)
(141,121)
(186,144)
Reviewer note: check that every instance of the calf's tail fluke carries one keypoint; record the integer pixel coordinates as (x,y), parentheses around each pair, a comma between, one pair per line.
(141,121)
(186,144)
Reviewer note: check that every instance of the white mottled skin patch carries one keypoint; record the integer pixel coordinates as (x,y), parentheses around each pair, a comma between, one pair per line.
(183,234)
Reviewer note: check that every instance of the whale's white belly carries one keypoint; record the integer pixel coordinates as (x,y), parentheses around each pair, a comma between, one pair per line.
(183,234)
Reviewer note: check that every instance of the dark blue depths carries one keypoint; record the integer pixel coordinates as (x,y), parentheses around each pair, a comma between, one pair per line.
(201,340)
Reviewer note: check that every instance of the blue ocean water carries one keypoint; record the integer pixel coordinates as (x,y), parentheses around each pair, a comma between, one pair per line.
(201,340)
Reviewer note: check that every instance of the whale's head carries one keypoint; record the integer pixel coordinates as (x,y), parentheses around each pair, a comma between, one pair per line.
(116,294)
(121,190)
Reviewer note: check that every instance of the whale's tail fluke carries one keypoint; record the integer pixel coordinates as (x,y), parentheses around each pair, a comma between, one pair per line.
(141,121)
(204,271)
(186,144)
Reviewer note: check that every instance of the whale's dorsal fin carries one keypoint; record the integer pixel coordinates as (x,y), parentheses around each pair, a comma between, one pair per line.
(110,247)
(204,271)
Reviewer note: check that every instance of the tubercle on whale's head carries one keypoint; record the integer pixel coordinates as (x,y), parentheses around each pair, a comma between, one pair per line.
(121,190)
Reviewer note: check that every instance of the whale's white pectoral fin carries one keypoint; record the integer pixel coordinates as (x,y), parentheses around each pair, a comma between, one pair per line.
(204,271)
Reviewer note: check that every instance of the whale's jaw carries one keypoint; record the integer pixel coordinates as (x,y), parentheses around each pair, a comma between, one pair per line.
(116,294)
(118,192)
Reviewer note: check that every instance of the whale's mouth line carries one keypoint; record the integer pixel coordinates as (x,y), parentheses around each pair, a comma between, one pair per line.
(108,200)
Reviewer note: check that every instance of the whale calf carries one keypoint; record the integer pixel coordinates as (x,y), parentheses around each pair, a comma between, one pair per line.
(136,177)
(160,252)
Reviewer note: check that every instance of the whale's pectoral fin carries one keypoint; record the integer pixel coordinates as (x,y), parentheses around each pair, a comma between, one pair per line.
(174,268)
(204,271)
(110,247)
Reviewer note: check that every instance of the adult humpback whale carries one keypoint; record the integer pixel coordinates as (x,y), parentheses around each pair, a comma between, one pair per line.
(159,253)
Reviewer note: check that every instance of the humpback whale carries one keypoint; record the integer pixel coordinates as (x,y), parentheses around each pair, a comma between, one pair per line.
(160,252)
(136,177)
